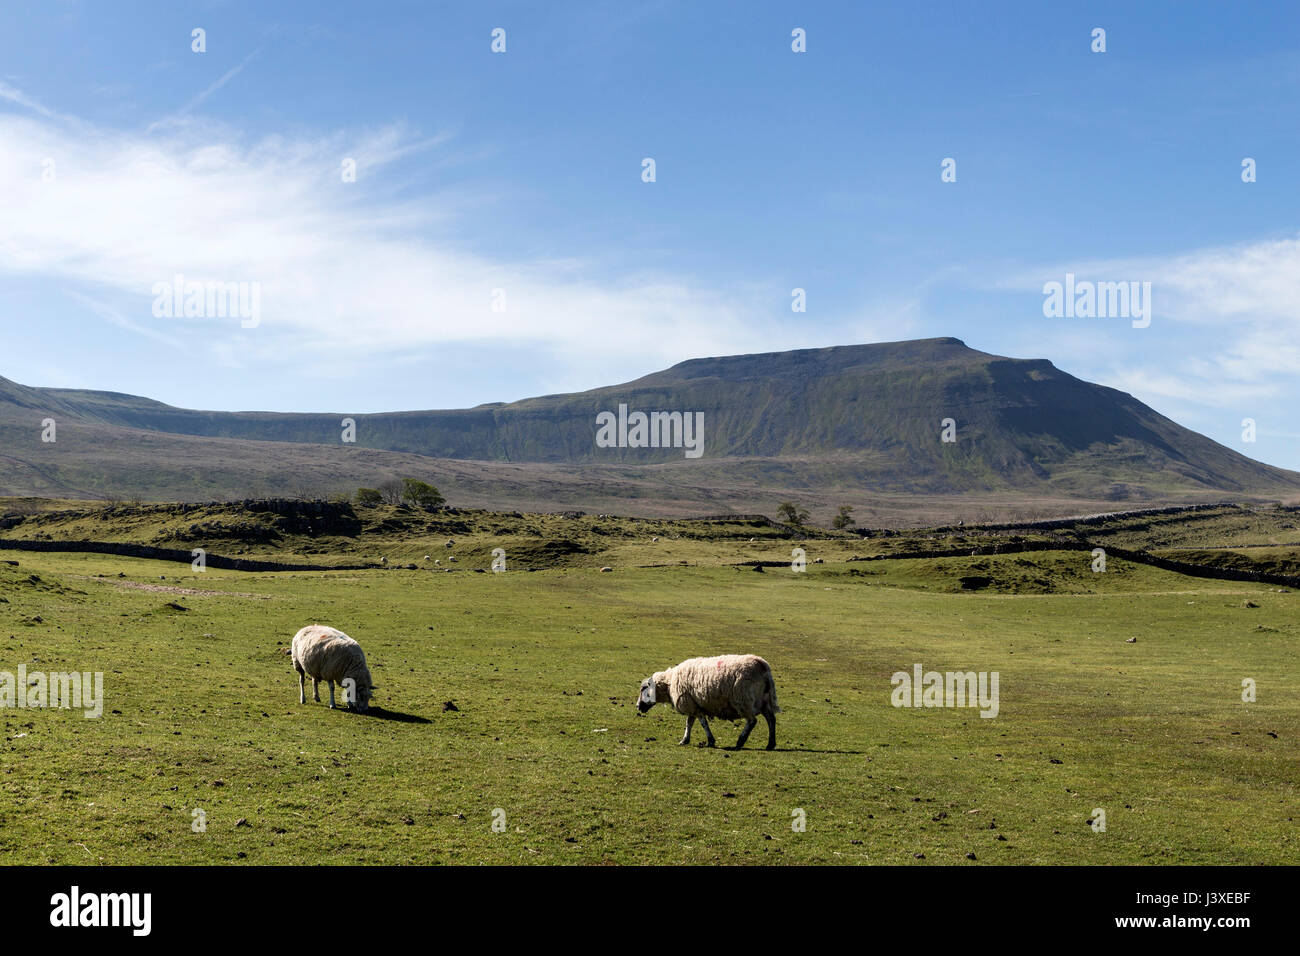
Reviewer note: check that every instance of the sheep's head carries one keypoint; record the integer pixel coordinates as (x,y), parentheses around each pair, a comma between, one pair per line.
(358,695)
(651,689)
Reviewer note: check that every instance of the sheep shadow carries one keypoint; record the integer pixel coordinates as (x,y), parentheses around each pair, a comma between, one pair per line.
(379,713)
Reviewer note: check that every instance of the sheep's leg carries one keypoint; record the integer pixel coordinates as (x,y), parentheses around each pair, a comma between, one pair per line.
(302,688)
(690,722)
(315,688)
(705,721)
(331,683)
(744,734)
(771,726)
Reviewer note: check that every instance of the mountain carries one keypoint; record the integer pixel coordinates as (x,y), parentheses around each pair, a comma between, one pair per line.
(850,424)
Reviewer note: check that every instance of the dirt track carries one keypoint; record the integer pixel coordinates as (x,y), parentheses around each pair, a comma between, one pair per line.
(169,589)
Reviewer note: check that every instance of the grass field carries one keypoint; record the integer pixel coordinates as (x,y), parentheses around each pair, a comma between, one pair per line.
(543,667)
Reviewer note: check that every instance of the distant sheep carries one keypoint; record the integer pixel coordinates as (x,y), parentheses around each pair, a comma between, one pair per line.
(730,687)
(327,654)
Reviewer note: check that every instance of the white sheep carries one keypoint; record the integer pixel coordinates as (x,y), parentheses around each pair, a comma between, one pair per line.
(327,654)
(730,687)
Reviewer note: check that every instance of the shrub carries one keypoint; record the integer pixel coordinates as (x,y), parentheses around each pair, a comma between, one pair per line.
(791,514)
(421,494)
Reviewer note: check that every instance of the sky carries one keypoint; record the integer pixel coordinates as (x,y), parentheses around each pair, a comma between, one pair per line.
(499,238)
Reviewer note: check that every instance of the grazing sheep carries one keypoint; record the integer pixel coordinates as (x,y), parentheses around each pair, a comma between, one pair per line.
(450,543)
(731,687)
(327,654)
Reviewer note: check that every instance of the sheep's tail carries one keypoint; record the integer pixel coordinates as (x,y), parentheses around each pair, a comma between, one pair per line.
(771,692)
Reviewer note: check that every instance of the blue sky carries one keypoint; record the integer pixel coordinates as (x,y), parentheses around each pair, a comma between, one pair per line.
(126,158)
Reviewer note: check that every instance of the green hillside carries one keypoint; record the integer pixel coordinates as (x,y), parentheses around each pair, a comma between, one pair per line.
(848,423)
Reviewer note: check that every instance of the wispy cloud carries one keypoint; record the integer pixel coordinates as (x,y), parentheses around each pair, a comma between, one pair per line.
(1234,308)
(345,269)
(112,315)
(19,98)
(198,99)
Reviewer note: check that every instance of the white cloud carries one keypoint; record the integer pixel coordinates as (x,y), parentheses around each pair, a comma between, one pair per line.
(345,269)
(1226,317)
(1252,281)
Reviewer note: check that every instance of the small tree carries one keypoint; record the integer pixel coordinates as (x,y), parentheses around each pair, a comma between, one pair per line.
(843,519)
(369,497)
(791,514)
(421,494)
(391,491)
